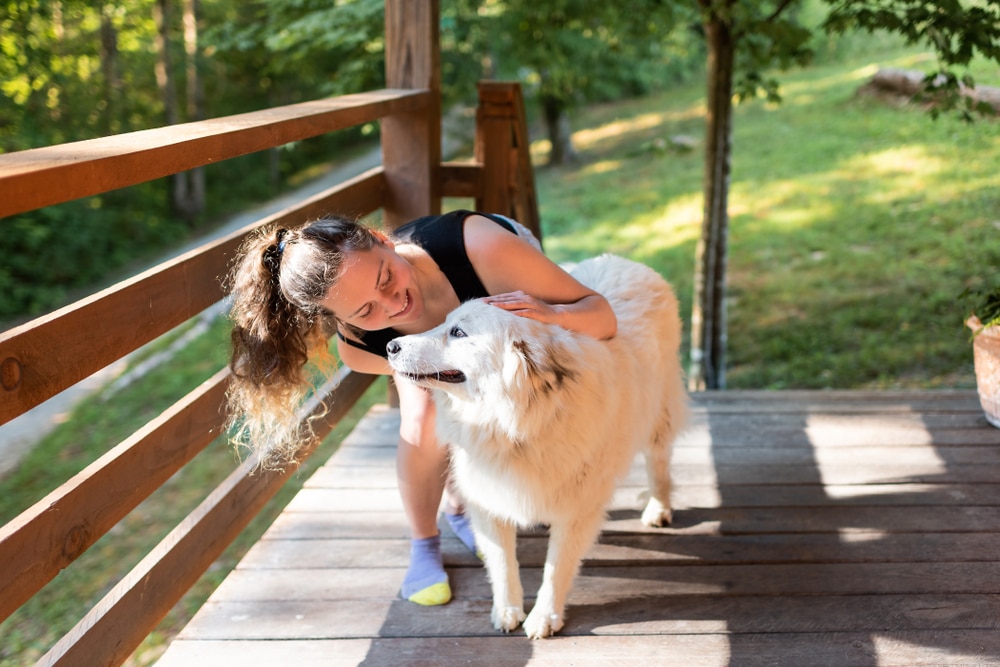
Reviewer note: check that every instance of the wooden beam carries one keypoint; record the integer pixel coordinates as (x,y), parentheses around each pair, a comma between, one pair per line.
(94,166)
(461,179)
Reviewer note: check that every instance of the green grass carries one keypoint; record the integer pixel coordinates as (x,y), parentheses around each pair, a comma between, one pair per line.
(854,227)
(854,224)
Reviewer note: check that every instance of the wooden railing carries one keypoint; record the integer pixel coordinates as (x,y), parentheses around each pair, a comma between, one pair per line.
(43,357)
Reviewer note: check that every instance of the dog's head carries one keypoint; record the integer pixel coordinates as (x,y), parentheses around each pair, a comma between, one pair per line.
(484,353)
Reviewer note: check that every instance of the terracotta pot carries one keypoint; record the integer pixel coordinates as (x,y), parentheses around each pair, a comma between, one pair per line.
(986,354)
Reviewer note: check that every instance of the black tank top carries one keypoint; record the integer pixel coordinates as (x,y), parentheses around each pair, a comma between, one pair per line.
(441,237)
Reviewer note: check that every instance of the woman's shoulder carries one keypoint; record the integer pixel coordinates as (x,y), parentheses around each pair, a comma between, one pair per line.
(430,226)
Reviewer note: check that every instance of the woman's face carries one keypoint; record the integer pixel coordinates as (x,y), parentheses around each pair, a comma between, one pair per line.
(375,290)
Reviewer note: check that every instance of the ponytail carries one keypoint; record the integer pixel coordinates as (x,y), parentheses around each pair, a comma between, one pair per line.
(276,282)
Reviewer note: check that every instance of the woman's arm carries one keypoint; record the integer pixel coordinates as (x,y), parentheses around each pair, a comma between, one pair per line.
(362,361)
(526,282)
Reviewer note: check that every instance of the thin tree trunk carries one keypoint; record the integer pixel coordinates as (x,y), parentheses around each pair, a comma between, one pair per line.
(708,317)
(168,92)
(163,69)
(557,126)
(195,106)
(109,68)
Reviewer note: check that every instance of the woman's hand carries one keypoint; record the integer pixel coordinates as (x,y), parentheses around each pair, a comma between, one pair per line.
(566,315)
(507,265)
(524,305)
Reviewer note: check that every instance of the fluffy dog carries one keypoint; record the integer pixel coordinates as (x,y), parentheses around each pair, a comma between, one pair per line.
(542,423)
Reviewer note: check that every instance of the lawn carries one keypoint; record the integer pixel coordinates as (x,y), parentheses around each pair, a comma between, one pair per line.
(854,224)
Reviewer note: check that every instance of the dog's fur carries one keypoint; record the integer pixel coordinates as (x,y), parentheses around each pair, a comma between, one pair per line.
(543,422)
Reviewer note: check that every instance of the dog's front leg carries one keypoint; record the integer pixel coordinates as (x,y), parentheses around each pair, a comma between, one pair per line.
(497,541)
(568,541)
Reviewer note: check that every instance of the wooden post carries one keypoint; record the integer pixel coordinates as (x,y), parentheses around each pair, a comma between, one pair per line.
(503,150)
(411,142)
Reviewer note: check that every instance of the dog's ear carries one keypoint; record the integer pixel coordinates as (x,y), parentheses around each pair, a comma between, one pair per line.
(535,365)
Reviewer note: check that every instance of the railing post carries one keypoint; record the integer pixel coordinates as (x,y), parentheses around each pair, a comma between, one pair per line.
(411,142)
(503,150)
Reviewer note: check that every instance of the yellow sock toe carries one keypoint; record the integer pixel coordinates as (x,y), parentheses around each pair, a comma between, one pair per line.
(433,595)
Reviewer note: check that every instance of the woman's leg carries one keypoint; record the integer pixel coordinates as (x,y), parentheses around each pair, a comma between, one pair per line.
(421,465)
(421,470)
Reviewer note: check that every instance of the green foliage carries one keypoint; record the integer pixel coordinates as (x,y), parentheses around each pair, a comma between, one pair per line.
(301,49)
(53,87)
(576,51)
(767,40)
(984,304)
(51,252)
(958,32)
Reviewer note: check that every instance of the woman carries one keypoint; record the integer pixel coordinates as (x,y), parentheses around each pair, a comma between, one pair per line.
(294,288)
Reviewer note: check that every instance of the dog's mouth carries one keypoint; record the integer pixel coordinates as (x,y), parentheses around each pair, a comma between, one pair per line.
(450,377)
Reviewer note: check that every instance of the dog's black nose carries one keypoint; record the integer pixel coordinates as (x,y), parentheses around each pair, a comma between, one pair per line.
(392,347)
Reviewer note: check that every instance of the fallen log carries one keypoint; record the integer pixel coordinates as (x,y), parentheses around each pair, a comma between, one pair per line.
(909,84)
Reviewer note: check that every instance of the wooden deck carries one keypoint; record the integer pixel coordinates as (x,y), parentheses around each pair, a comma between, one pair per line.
(812,528)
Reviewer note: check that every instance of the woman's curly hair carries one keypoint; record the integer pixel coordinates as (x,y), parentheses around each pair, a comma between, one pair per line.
(276,282)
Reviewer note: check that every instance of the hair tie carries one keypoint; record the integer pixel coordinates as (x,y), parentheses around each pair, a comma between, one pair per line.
(280,237)
(272,254)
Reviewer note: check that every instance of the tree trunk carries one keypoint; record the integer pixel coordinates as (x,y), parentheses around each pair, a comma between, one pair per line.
(708,317)
(110,121)
(164,71)
(557,126)
(186,193)
(168,89)
(195,203)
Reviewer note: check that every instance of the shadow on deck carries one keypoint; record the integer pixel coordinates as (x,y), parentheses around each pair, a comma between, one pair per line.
(812,528)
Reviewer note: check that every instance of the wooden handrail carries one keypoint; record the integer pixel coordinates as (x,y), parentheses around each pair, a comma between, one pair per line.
(94,166)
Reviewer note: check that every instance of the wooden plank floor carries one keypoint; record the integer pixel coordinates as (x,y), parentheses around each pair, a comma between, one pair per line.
(812,529)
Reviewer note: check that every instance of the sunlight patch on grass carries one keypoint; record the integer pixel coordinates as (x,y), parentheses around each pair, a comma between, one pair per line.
(639,236)
(602,167)
(902,161)
(586,139)
(540,150)
(678,224)
(905,173)
(810,89)
(788,204)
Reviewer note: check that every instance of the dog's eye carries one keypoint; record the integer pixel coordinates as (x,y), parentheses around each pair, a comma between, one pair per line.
(456,332)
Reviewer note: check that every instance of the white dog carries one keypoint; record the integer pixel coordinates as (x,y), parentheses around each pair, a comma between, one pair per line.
(543,422)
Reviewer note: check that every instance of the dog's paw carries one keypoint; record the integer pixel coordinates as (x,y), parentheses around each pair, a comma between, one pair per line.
(542,623)
(656,514)
(507,618)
